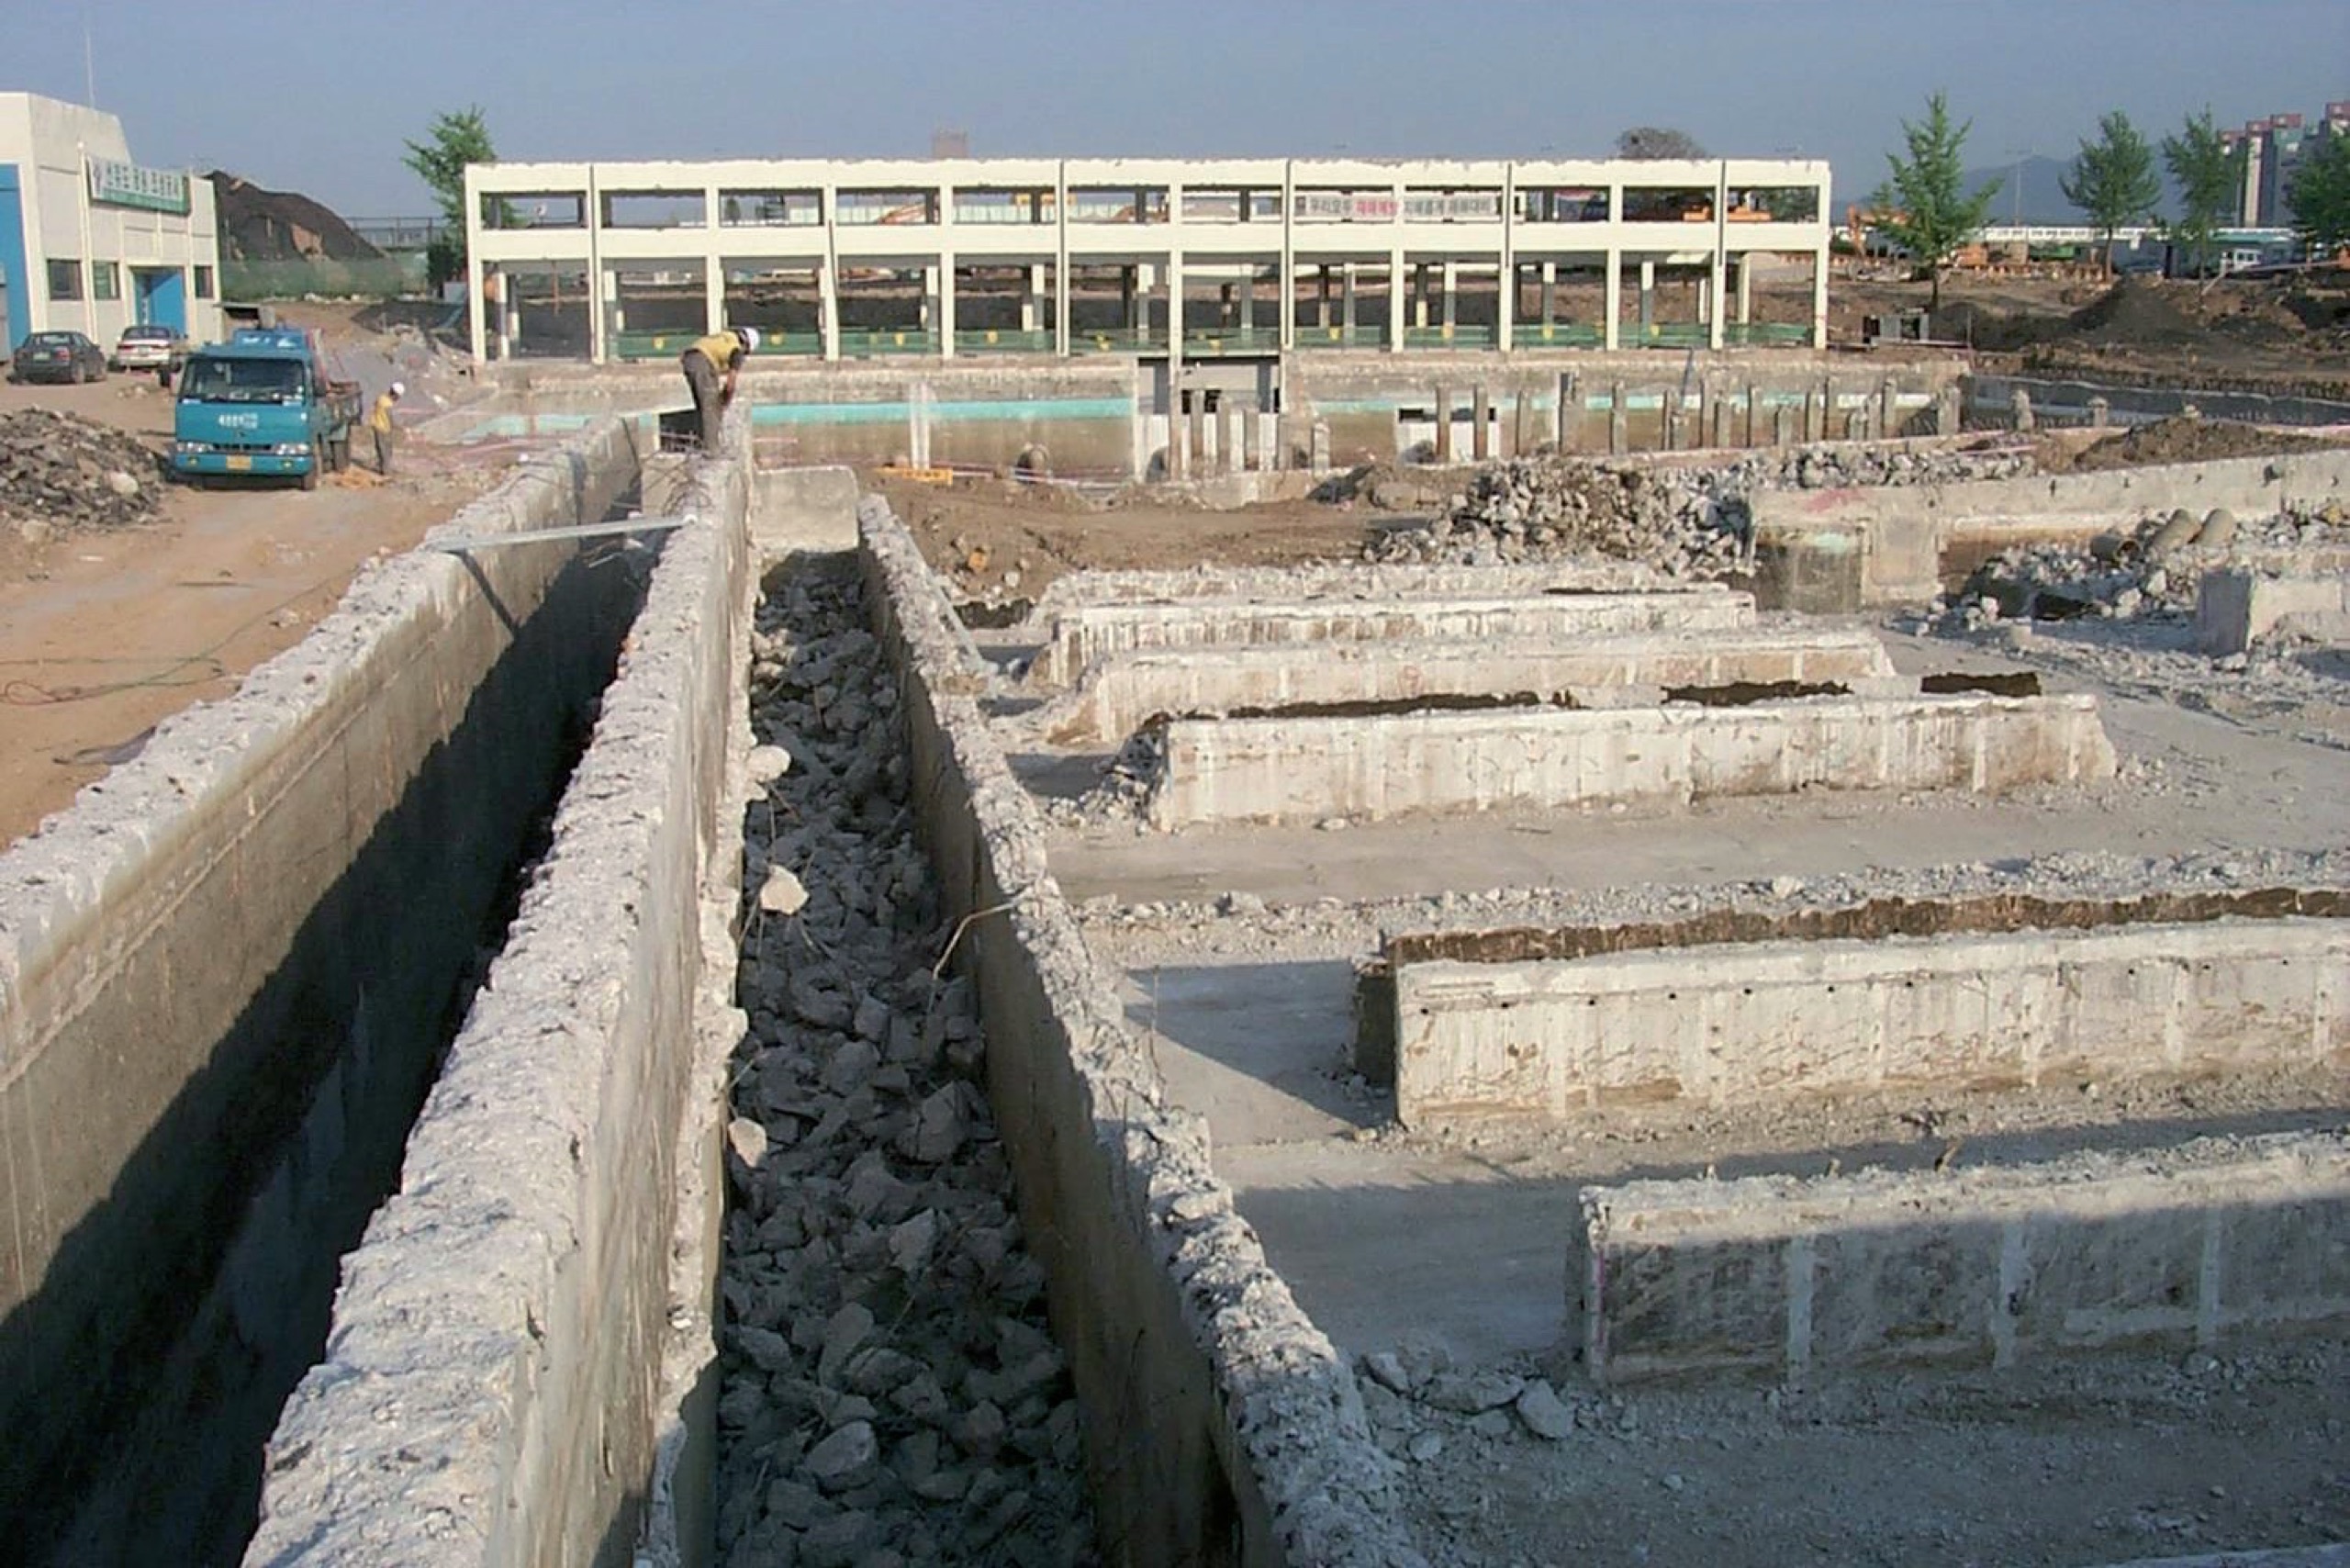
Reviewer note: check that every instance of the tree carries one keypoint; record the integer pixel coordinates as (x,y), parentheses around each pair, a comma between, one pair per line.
(2112,180)
(451,142)
(1921,207)
(2319,195)
(2210,178)
(1653,142)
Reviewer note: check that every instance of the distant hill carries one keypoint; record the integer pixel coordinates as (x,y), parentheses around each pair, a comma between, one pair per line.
(258,225)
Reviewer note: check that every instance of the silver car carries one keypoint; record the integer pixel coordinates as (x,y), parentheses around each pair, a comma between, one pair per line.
(148,346)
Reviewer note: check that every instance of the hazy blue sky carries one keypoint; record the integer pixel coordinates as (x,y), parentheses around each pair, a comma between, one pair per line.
(318,94)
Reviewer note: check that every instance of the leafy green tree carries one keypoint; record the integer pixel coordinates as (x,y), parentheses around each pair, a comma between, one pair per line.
(2319,195)
(2112,180)
(451,141)
(2210,177)
(1923,206)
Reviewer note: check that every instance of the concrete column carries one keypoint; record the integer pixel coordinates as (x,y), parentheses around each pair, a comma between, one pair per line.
(1783,422)
(1396,316)
(2100,413)
(713,298)
(1420,294)
(1618,417)
(1565,411)
(1195,436)
(926,312)
(1819,297)
(1207,440)
(947,306)
(1347,279)
(1550,293)
(1746,289)
(1249,300)
(1127,295)
(1480,443)
(1322,294)
(828,308)
(1753,412)
(1506,306)
(1648,296)
(1451,287)
(1443,425)
(477,310)
(1949,417)
(1031,298)
(1888,408)
(1175,310)
(1706,302)
(1235,444)
(1612,336)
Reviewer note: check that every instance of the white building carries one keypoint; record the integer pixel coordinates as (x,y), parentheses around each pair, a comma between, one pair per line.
(1198,256)
(91,242)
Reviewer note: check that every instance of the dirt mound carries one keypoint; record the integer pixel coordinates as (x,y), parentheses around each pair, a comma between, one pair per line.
(61,472)
(2135,310)
(258,225)
(2181,440)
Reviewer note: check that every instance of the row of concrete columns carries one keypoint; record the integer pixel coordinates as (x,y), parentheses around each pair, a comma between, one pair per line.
(1433,289)
(1723,417)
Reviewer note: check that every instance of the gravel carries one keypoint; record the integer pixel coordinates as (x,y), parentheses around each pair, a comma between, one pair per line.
(59,473)
(890,1394)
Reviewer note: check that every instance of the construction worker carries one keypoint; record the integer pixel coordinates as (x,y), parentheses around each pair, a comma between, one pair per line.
(379,426)
(720,355)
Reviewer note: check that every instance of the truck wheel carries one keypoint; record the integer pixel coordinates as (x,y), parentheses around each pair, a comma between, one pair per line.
(317,463)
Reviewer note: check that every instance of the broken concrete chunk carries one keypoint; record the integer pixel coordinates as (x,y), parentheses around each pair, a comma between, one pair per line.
(842,1459)
(768,762)
(782,893)
(1545,1414)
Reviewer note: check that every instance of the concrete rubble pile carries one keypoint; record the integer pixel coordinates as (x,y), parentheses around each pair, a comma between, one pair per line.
(59,473)
(890,1394)
(1684,522)
(2148,571)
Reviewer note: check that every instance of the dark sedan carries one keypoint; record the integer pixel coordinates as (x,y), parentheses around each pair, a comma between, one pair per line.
(58,356)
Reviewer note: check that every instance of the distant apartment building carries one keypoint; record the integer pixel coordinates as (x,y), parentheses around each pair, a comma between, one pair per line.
(2272,149)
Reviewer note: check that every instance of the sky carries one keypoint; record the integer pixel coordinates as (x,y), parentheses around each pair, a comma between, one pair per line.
(318,96)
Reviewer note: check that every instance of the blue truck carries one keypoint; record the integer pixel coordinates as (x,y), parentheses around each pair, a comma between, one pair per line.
(264,403)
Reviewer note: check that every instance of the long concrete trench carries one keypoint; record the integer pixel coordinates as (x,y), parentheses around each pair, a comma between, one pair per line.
(791,1190)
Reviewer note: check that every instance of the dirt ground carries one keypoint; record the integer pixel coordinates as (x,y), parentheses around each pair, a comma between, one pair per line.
(103,634)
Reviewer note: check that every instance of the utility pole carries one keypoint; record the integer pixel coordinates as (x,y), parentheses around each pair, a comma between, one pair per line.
(2015,185)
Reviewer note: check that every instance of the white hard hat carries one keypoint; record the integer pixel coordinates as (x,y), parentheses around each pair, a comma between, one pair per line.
(399,388)
(750,340)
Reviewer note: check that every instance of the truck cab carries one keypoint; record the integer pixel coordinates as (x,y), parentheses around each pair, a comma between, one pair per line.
(263,404)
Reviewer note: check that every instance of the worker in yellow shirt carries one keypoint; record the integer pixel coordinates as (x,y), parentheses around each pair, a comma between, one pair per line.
(379,425)
(719,355)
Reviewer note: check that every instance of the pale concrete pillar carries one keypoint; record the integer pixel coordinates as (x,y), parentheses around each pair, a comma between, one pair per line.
(1704,300)
(1031,295)
(1235,444)
(1127,295)
(1248,301)
(947,306)
(1618,418)
(1746,289)
(1346,280)
(1443,424)
(1820,298)
(926,312)
(1322,294)
(1174,310)
(1196,435)
(1420,294)
(713,298)
(476,311)
(1207,445)
(619,311)
(1506,306)
(1451,286)
(1480,443)
(1550,293)
(1753,412)
(1396,314)
(1888,408)
(1565,411)
(1612,333)
(828,307)
(1648,296)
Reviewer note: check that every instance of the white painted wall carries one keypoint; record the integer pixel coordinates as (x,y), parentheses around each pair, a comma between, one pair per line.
(48,141)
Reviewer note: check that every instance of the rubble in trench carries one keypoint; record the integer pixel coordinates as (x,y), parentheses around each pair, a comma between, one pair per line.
(1684,522)
(2147,572)
(890,1395)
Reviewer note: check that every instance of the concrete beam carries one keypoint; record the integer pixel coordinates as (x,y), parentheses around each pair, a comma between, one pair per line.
(1223,771)
(1738,1023)
(1115,696)
(2238,606)
(2215,1241)
(1087,633)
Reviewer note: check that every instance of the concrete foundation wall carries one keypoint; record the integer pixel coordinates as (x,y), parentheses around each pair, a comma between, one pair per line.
(1219,770)
(1734,1023)
(226,971)
(1895,535)
(1222,1426)
(2206,1244)
(1343,580)
(2069,402)
(2235,609)
(1086,632)
(516,1302)
(1115,696)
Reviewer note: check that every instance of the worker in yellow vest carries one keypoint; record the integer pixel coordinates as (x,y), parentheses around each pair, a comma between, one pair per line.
(379,426)
(719,355)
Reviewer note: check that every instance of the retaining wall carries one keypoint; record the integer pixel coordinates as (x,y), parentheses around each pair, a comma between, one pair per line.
(2213,1241)
(1885,544)
(2068,401)
(1115,696)
(1221,1426)
(2240,606)
(1087,633)
(1735,1024)
(504,1354)
(226,972)
(1223,771)
(1344,580)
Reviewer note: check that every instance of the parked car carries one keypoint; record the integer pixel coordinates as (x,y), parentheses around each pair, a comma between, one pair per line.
(58,356)
(148,346)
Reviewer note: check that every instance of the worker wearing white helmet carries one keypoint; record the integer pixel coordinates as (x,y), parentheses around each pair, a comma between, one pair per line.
(710,366)
(379,425)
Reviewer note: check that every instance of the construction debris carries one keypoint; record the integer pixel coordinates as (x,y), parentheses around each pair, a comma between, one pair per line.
(61,472)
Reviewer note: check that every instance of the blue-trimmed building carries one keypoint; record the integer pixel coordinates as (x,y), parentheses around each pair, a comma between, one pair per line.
(91,242)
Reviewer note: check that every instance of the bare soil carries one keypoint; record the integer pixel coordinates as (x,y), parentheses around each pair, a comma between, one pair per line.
(2175,440)
(103,634)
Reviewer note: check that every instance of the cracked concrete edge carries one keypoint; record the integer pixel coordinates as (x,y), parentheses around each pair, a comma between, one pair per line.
(1292,1408)
(1344,580)
(59,876)
(457,1417)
